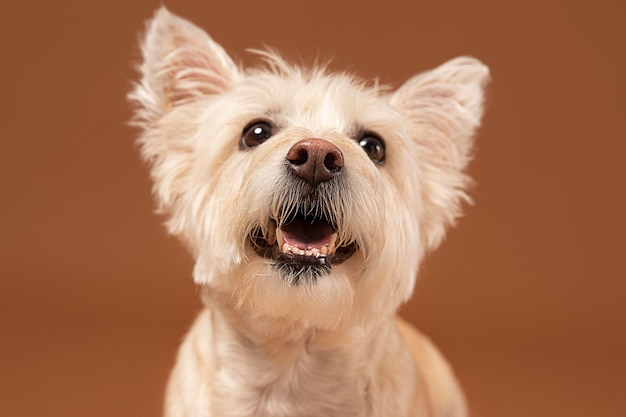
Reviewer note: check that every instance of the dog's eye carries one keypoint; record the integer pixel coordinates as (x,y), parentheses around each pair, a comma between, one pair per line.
(255,134)
(374,146)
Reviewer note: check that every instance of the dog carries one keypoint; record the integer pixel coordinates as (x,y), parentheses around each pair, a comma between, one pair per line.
(308,199)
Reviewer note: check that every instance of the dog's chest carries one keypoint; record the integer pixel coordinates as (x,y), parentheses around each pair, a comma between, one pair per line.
(323,384)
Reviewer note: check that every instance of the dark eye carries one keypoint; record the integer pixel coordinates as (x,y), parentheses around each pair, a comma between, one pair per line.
(374,146)
(255,134)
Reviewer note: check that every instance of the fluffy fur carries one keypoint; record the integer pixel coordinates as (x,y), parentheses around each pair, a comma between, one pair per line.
(303,341)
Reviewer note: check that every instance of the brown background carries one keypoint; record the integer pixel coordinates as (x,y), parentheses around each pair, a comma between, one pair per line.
(525,297)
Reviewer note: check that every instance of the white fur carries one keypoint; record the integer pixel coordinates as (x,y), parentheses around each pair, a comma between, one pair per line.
(266,347)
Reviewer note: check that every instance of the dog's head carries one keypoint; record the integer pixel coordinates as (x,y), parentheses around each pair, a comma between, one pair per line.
(305,195)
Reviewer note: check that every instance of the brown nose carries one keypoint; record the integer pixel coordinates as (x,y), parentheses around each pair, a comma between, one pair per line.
(315,160)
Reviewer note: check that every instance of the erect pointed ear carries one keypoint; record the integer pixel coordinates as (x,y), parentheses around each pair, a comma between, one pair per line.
(181,63)
(443,107)
(448,99)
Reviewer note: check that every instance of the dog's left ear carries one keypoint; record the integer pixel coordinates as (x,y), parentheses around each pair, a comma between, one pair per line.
(443,107)
(181,63)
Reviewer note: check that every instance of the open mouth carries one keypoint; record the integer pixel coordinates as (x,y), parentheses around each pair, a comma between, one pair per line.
(302,241)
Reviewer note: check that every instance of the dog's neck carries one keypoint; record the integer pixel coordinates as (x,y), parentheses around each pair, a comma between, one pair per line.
(269,364)
(268,333)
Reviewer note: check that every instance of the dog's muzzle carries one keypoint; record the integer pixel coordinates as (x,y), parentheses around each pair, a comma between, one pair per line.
(306,235)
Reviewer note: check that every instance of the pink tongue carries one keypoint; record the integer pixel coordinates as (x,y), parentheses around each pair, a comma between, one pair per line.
(306,235)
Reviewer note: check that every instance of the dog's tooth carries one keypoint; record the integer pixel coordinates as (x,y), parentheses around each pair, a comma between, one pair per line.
(315,252)
(286,248)
(324,250)
(280,239)
(331,243)
(308,252)
(332,240)
(300,252)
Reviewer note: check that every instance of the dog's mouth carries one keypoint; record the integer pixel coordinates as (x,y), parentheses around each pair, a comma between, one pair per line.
(302,241)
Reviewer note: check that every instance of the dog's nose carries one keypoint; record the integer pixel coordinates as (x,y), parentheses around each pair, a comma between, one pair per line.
(315,160)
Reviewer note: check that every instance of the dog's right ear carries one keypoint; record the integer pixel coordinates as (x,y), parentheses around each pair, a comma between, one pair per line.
(181,63)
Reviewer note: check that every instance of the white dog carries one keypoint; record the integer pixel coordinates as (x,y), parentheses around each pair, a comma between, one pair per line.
(308,200)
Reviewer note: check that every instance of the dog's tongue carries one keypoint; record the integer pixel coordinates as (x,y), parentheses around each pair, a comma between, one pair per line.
(307,235)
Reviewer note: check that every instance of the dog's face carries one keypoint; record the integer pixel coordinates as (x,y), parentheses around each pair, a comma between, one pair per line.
(305,195)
